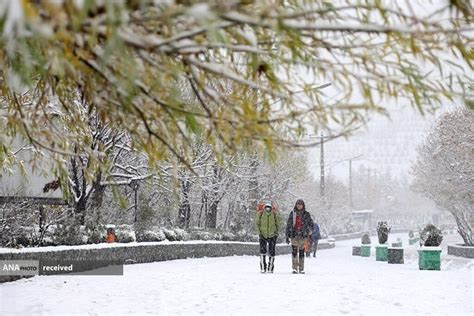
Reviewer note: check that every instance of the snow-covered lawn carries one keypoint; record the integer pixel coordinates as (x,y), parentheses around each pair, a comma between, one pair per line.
(334,283)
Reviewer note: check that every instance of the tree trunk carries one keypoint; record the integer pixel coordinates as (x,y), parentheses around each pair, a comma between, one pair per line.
(42,220)
(97,194)
(203,205)
(80,210)
(211,218)
(184,213)
(228,216)
(464,229)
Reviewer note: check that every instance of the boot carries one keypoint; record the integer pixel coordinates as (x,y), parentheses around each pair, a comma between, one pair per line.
(263,264)
(271,263)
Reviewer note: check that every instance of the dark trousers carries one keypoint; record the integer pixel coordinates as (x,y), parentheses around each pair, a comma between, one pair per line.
(271,242)
(315,246)
(297,245)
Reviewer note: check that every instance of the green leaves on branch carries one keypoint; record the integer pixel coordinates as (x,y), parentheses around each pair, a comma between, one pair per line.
(227,72)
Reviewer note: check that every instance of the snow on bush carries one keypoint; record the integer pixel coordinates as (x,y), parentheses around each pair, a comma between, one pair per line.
(431,236)
(201,235)
(382,232)
(23,237)
(170,234)
(181,234)
(247,237)
(68,233)
(83,234)
(151,235)
(242,235)
(125,234)
(95,234)
(56,235)
(228,236)
(365,240)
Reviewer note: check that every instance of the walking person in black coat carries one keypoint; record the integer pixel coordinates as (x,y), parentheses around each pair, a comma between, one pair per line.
(298,229)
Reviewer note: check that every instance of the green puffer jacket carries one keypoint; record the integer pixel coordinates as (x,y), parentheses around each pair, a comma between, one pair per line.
(268,224)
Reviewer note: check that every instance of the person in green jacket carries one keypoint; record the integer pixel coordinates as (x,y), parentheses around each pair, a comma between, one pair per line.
(268,225)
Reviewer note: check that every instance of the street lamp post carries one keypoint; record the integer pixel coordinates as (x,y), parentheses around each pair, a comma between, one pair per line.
(322,137)
(351,203)
(322,177)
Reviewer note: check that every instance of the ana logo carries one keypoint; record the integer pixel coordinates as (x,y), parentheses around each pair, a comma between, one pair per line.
(11,267)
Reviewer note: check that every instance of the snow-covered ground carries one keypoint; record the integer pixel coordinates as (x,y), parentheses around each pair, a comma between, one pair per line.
(335,283)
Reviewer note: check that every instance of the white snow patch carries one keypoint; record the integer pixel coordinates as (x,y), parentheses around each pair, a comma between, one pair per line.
(335,283)
(201,11)
(13,11)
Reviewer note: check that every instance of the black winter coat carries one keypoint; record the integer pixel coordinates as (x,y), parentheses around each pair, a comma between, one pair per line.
(307,222)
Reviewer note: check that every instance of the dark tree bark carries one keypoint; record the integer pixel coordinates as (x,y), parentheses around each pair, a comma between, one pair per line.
(184,213)
(203,207)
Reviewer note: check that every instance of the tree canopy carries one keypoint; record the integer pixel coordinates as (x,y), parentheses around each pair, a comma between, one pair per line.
(238,74)
(444,168)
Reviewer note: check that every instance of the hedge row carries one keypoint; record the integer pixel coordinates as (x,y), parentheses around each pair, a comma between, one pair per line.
(61,235)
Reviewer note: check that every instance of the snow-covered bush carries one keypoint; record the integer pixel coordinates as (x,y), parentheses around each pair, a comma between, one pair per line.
(365,240)
(72,235)
(83,234)
(24,237)
(125,234)
(47,238)
(170,234)
(382,232)
(19,223)
(431,236)
(181,234)
(411,234)
(246,237)
(151,235)
(158,234)
(201,235)
(69,233)
(242,235)
(228,236)
(96,234)
(22,241)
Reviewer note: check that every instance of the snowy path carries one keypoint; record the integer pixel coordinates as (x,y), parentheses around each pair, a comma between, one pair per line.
(335,283)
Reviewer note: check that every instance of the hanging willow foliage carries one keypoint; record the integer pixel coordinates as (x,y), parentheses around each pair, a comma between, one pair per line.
(238,74)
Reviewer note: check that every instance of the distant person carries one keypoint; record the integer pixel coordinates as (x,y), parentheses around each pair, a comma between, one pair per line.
(298,228)
(268,225)
(314,240)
